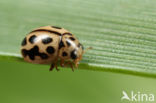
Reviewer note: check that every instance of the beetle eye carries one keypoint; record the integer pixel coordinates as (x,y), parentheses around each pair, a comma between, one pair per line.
(73,54)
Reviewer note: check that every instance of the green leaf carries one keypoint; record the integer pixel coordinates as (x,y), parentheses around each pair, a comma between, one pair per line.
(122,33)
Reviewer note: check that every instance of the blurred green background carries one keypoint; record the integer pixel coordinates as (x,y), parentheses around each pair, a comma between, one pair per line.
(122,33)
(29,83)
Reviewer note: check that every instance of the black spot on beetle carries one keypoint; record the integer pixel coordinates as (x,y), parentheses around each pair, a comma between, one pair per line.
(24,52)
(34,52)
(64,54)
(24,42)
(73,55)
(50,50)
(43,55)
(47,40)
(68,43)
(56,27)
(61,44)
(71,38)
(32,39)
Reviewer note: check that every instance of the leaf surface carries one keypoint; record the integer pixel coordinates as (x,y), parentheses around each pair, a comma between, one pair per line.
(122,33)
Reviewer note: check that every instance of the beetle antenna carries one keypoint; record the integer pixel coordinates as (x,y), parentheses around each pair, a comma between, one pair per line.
(89,48)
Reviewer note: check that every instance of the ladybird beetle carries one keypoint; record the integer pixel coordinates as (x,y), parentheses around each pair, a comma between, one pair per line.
(50,44)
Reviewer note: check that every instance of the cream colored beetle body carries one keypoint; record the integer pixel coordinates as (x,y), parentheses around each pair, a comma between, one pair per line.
(47,45)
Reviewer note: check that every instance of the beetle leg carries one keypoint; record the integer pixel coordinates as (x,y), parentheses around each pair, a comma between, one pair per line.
(71,65)
(53,65)
(62,63)
(76,61)
(56,67)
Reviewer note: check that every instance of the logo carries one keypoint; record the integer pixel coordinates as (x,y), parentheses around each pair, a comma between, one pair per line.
(137,96)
